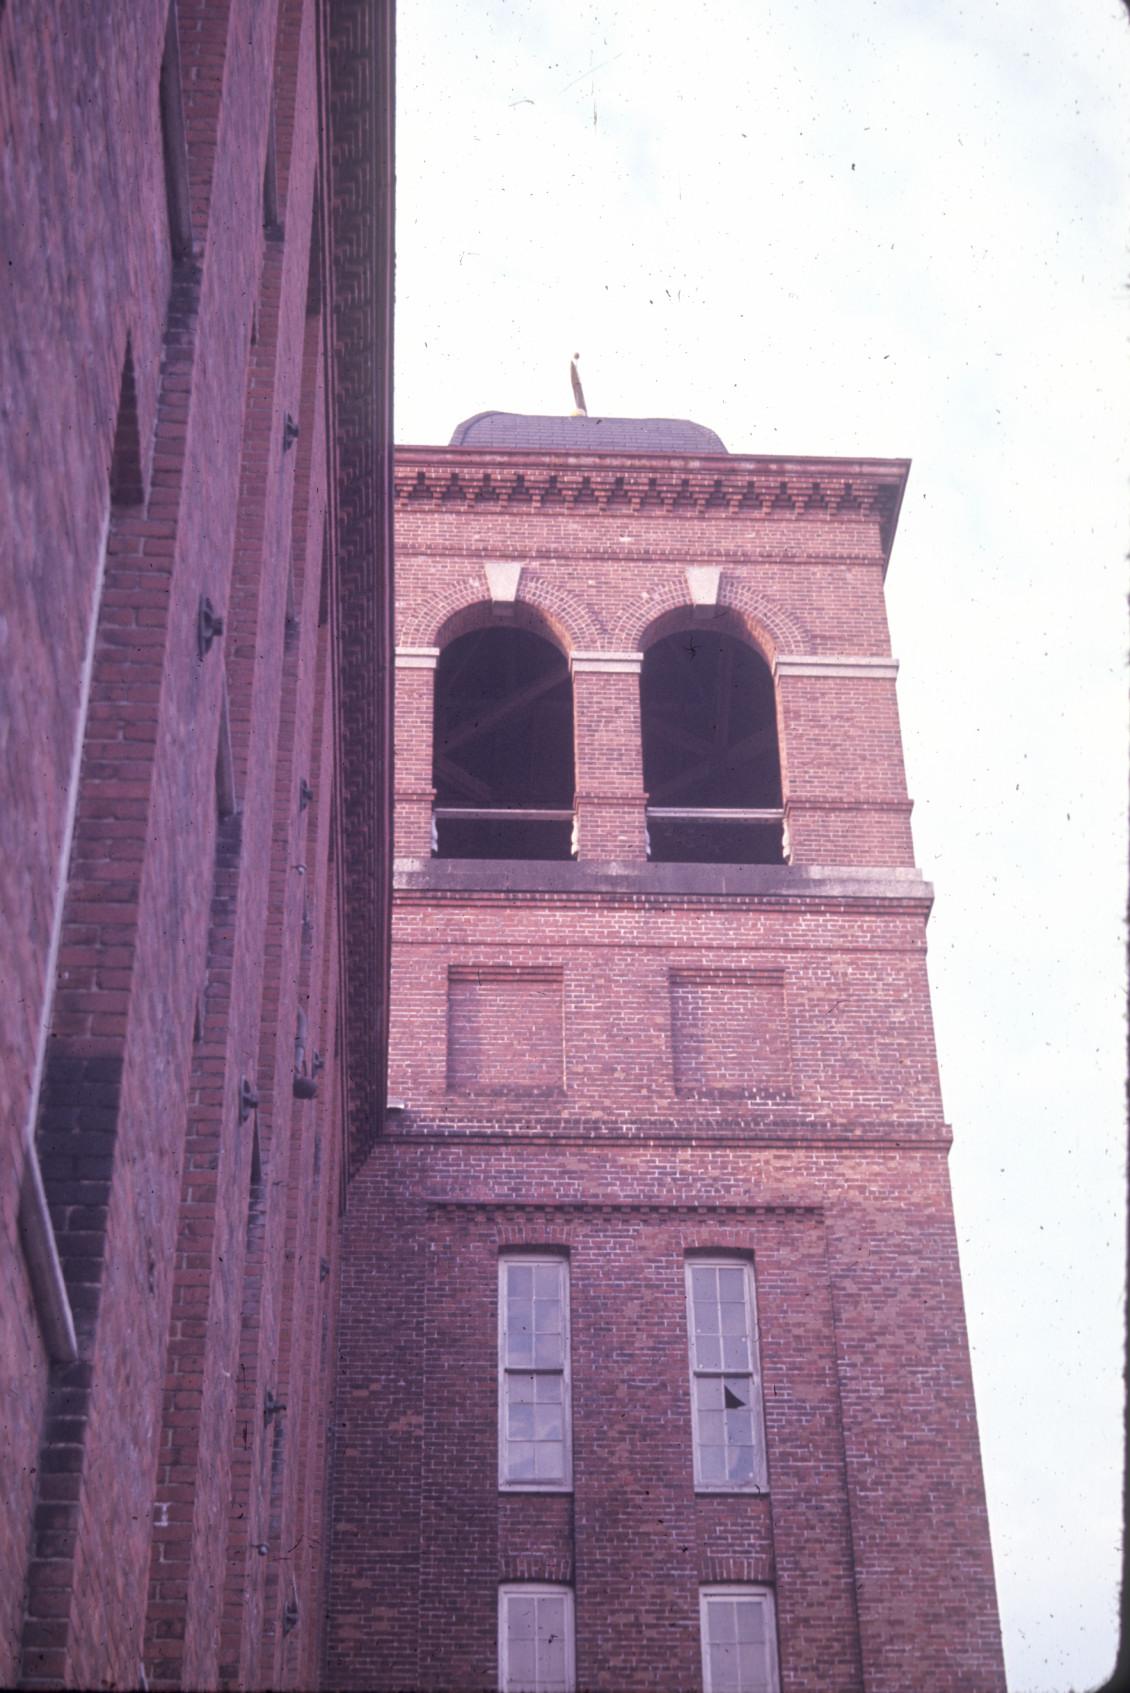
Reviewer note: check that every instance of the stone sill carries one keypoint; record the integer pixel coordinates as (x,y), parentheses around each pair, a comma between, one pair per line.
(703,881)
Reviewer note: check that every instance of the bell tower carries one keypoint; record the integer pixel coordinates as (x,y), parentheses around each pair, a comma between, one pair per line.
(653,1368)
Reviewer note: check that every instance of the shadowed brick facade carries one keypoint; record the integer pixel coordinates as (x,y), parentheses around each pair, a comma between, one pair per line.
(195,822)
(622,1065)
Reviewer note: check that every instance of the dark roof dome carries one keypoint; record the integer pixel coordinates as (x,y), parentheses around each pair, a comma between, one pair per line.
(511,430)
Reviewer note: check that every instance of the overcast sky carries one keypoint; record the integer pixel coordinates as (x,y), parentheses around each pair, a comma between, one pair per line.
(895,227)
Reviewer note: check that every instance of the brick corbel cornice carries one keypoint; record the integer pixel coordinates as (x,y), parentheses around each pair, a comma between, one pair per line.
(716,488)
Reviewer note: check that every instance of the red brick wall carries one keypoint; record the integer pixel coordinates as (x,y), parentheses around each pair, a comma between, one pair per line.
(67,96)
(606,578)
(746,1065)
(854,998)
(188,941)
(873,1531)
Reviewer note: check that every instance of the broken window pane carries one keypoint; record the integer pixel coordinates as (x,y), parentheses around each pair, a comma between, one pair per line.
(726,1399)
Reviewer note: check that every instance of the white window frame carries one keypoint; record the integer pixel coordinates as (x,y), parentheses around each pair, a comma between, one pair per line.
(758,1482)
(771,1682)
(532,1590)
(560,1262)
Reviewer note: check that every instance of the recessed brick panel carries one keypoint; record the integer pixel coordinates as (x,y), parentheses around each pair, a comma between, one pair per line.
(730,1032)
(504,1031)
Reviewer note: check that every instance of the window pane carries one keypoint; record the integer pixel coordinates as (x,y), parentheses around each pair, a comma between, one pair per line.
(547,1316)
(521,1461)
(551,1620)
(753,1668)
(551,1665)
(739,1464)
(710,1427)
(733,1318)
(722,1621)
(724,1669)
(548,1423)
(706,1318)
(548,1390)
(520,1424)
(751,1617)
(549,1460)
(520,1389)
(705,1314)
(708,1352)
(520,1349)
(732,1283)
(708,1392)
(521,1674)
(547,1280)
(549,1351)
(712,1463)
(736,1392)
(735,1352)
(739,1428)
(520,1280)
(521,1616)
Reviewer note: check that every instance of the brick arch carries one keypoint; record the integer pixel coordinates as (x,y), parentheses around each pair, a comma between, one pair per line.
(542,605)
(581,629)
(770,628)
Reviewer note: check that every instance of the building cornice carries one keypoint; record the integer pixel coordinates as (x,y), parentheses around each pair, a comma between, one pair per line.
(716,488)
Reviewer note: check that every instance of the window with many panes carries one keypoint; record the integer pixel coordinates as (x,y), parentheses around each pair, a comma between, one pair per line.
(535,1639)
(739,1640)
(533,1385)
(729,1433)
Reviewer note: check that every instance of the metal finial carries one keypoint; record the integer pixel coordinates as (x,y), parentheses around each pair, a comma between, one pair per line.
(580,409)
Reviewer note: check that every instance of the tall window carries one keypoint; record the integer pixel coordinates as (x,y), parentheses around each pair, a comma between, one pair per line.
(503,748)
(535,1639)
(729,1432)
(710,759)
(534,1444)
(739,1640)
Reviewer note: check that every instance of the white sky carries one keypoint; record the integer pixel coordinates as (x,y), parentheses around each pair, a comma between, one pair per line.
(884,229)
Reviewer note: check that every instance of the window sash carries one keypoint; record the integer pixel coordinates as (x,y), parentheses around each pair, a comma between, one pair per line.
(725,1377)
(739,1640)
(536,1649)
(534,1420)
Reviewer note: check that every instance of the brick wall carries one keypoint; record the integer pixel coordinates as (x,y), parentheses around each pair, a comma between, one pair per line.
(607,574)
(627,1062)
(67,96)
(196,902)
(873,1531)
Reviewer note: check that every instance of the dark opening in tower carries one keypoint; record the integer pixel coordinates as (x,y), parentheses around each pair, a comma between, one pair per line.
(710,761)
(503,758)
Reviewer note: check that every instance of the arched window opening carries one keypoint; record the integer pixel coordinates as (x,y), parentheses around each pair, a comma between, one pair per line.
(503,760)
(710,760)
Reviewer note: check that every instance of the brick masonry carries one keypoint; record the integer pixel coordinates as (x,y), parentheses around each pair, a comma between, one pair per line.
(629,1062)
(176,915)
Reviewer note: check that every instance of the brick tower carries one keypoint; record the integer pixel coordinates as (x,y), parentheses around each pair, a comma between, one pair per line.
(654,1371)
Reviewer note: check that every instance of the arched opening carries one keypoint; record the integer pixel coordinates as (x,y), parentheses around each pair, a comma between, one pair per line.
(710,758)
(503,748)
